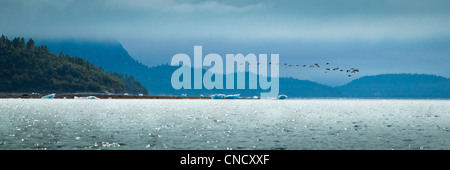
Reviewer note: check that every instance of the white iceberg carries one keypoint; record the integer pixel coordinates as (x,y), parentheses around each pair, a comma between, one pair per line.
(232,96)
(89,97)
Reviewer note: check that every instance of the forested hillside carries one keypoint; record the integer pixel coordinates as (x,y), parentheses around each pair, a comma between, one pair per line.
(25,67)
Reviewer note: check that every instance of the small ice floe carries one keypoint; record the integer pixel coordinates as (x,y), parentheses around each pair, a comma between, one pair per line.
(201,95)
(126,94)
(50,96)
(282,96)
(89,97)
(184,95)
(255,97)
(140,94)
(217,96)
(232,96)
(223,96)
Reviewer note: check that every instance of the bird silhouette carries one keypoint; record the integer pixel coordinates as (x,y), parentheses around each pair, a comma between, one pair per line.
(327,70)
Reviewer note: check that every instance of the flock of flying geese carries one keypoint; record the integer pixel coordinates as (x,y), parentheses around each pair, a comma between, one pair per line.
(349,71)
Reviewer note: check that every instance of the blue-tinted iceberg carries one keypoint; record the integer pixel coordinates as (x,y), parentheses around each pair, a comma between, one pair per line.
(50,96)
(232,96)
(223,96)
(282,96)
(89,97)
(217,96)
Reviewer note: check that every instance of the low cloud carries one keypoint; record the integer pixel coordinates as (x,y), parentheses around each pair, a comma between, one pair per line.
(184,6)
(233,19)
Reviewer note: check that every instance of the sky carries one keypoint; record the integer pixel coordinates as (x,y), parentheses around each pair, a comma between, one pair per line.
(376,36)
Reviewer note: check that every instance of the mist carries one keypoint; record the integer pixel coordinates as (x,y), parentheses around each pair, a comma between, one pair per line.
(395,36)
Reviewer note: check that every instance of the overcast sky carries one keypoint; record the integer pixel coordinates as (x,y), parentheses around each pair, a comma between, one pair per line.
(378,36)
(284,19)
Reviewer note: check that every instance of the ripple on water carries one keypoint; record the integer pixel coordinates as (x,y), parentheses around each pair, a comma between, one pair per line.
(243,124)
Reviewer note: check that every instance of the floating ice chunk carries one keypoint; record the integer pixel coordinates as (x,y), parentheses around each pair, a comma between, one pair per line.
(217,96)
(232,96)
(50,96)
(89,97)
(282,96)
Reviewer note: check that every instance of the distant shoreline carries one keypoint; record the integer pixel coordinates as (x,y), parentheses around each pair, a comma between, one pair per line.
(101,96)
(16,95)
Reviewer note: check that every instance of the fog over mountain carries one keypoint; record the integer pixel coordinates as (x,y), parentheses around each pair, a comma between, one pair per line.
(157,79)
(377,36)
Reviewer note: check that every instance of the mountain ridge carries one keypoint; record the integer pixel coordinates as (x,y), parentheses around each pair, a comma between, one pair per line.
(157,78)
(398,86)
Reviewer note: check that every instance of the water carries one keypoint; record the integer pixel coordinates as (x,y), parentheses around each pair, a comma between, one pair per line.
(224,124)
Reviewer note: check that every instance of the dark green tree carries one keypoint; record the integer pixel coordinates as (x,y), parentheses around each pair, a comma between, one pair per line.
(25,67)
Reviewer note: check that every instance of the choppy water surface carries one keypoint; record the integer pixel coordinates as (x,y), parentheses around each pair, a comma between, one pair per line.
(224,124)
